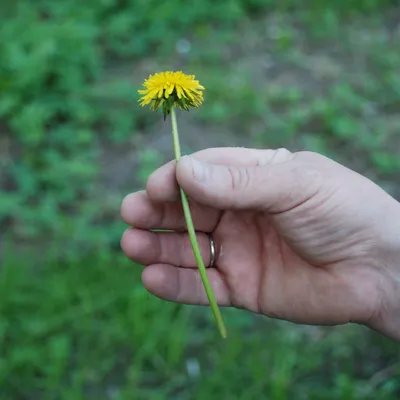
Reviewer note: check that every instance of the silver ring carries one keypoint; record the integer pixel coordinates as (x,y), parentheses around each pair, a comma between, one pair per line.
(212,251)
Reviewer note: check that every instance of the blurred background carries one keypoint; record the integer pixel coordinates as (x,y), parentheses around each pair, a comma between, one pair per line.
(75,322)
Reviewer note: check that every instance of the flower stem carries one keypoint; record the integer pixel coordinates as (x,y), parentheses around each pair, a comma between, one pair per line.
(193,238)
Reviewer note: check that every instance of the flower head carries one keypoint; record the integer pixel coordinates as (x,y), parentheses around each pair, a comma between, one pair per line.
(169,89)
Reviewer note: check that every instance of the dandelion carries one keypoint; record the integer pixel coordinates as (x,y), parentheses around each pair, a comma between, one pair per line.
(171,90)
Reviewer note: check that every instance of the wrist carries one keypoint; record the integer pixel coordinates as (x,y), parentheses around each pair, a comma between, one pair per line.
(386,319)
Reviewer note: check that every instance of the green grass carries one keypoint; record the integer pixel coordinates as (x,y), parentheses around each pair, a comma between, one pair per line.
(88,330)
(75,321)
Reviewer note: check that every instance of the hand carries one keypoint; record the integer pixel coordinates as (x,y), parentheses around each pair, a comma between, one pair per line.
(298,236)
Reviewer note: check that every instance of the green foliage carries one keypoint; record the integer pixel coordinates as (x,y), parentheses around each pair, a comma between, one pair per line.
(62,104)
(46,70)
(57,104)
(54,319)
(147,160)
(87,331)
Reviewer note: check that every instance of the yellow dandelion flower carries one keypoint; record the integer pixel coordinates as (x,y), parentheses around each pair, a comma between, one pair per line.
(167,89)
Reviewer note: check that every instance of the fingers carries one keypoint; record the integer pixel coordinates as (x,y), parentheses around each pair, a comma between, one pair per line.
(146,247)
(139,211)
(184,285)
(162,184)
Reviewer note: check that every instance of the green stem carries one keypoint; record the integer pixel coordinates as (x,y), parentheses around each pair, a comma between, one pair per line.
(193,238)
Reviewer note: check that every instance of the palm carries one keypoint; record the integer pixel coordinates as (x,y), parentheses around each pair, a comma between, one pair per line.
(264,274)
(250,252)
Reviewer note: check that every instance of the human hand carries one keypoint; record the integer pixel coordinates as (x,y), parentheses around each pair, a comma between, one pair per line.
(298,236)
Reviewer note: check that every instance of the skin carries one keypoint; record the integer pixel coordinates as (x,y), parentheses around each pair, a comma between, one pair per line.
(299,237)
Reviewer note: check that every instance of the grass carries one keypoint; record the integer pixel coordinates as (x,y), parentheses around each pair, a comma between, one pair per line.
(75,322)
(88,330)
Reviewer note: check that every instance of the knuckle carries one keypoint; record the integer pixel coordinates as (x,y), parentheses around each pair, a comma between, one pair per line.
(268,157)
(282,155)
(240,178)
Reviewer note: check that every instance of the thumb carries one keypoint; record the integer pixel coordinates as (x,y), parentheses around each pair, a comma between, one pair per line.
(274,187)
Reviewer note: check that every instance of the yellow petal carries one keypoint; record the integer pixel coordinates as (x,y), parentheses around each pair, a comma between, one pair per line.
(179,91)
(171,88)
